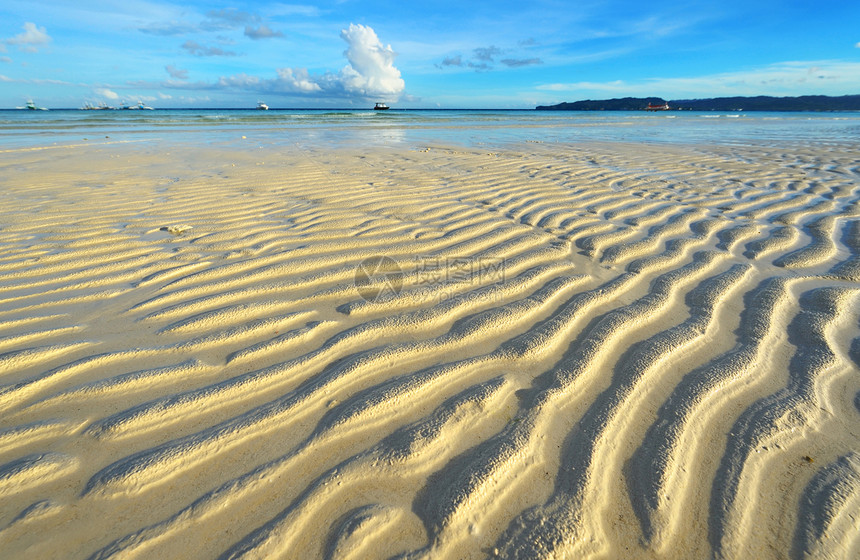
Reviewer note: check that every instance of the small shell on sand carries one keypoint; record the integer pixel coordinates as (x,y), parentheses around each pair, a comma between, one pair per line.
(176,230)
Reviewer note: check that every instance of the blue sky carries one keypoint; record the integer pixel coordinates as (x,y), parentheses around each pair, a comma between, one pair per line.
(449,54)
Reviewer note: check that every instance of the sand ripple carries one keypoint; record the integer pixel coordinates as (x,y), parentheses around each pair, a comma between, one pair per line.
(563,352)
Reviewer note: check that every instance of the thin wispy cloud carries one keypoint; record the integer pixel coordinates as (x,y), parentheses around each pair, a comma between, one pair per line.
(41,82)
(197,49)
(486,54)
(779,78)
(213,21)
(484,59)
(302,10)
(261,32)
(520,62)
(177,73)
(228,18)
(167,29)
(232,16)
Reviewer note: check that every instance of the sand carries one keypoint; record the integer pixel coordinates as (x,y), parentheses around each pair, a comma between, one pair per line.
(543,351)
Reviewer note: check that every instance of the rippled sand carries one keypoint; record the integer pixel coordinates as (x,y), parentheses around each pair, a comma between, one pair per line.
(549,351)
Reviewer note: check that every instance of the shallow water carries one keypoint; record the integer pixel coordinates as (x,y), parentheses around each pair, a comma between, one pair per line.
(413,128)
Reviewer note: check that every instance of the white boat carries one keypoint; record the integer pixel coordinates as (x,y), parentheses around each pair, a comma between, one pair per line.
(380,107)
(139,107)
(32,106)
(262,106)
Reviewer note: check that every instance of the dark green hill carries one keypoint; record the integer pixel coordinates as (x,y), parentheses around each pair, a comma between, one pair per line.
(758,103)
(624,104)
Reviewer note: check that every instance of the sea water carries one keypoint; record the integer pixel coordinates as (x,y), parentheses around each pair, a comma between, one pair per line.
(404,128)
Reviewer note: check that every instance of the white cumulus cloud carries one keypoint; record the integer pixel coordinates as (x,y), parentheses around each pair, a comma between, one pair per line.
(371,69)
(32,38)
(370,73)
(297,80)
(104,92)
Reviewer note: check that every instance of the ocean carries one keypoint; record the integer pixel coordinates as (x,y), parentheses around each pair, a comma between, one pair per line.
(326,128)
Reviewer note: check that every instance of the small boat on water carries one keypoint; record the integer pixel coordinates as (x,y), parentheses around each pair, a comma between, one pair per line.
(380,107)
(32,106)
(139,107)
(657,107)
(100,107)
(262,106)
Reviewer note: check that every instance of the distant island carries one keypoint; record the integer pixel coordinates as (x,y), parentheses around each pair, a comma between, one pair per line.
(758,103)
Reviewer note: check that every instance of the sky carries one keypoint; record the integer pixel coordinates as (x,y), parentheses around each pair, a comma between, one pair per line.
(426,54)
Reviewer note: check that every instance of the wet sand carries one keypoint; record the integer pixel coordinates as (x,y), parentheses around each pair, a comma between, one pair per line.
(545,351)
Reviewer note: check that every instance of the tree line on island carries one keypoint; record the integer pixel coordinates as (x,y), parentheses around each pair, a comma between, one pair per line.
(757,103)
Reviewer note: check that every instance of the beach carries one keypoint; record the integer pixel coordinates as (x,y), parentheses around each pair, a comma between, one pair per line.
(263,346)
